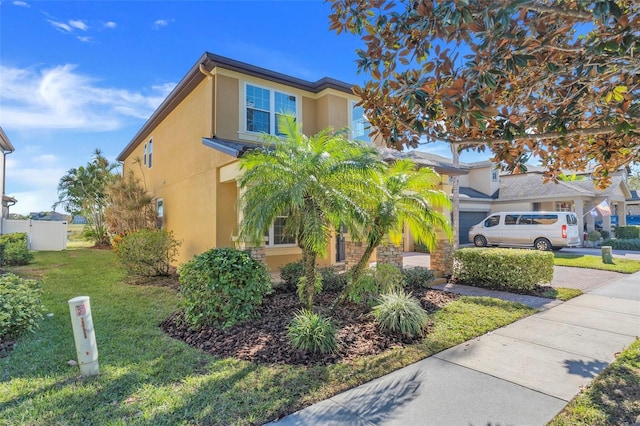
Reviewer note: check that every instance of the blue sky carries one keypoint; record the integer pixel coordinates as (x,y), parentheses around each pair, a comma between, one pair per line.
(80,75)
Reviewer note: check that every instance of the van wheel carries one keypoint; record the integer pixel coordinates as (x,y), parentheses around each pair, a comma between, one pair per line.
(542,244)
(480,241)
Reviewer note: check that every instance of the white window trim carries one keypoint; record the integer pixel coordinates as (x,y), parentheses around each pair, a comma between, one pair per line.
(149,162)
(243,133)
(269,243)
(559,208)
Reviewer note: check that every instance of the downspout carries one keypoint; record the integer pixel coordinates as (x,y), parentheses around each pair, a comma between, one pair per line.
(214,99)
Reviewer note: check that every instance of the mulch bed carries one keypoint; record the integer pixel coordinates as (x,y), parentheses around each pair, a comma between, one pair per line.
(264,340)
(5,347)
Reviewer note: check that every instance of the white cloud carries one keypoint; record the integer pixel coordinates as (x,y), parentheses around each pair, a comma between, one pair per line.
(21,3)
(60,26)
(110,24)
(162,23)
(84,39)
(81,25)
(62,98)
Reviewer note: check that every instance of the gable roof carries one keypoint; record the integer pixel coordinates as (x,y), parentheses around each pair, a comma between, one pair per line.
(5,143)
(438,163)
(531,186)
(208,62)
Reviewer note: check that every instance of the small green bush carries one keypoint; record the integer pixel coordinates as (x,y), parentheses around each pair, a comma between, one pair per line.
(398,312)
(605,234)
(290,275)
(14,250)
(594,236)
(20,305)
(147,253)
(311,332)
(627,232)
(503,269)
(383,278)
(222,287)
(618,244)
(332,280)
(418,277)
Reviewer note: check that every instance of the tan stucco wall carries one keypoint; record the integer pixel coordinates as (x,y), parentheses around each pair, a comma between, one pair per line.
(184,172)
(201,211)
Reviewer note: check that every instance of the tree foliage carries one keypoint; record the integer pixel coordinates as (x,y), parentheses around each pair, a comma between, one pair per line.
(408,198)
(130,207)
(318,182)
(83,191)
(557,79)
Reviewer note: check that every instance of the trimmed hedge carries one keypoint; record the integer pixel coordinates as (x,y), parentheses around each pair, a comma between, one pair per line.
(627,232)
(13,249)
(222,287)
(618,244)
(20,305)
(503,269)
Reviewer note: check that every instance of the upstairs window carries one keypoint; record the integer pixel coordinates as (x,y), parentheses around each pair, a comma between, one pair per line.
(264,107)
(495,176)
(359,124)
(150,154)
(563,206)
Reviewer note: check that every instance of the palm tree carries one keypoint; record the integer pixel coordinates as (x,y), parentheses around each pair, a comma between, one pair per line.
(318,182)
(83,190)
(408,198)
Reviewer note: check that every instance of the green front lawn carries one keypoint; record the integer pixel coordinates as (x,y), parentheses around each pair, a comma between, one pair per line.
(613,398)
(625,266)
(147,377)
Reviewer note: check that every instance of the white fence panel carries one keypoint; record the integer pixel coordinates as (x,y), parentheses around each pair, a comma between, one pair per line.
(41,235)
(10,226)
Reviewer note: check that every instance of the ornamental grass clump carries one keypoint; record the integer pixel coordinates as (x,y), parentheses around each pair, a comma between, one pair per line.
(399,312)
(311,332)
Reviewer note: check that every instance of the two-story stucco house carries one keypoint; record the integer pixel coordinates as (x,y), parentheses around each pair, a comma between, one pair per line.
(186,154)
(5,148)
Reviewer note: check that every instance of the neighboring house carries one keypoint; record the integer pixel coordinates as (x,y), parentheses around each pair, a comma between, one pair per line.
(633,208)
(49,216)
(79,220)
(6,148)
(484,190)
(187,152)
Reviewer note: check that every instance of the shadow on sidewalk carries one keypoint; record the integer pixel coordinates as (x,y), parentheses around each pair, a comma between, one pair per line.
(585,369)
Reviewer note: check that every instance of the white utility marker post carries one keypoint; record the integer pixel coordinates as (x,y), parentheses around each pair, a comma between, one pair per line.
(84,335)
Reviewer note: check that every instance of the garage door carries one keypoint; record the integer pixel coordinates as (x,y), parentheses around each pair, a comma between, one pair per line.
(467,220)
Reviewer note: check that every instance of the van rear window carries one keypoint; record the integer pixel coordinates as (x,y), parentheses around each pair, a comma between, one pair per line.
(572,219)
(537,219)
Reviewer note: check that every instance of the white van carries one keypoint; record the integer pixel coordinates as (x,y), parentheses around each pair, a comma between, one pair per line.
(541,230)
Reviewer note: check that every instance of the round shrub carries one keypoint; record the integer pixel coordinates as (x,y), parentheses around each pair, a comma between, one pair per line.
(290,275)
(311,332)
(148,252)
(332,280)
(605,234)
(383,278)
(222,287)
(398,312)
(418,277)
(20,304)
(594,236)
(13,249)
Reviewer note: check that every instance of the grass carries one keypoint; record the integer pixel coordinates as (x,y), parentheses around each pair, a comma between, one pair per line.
(561,293)
(625,266)
(613,398)
(75,238)
(148,378)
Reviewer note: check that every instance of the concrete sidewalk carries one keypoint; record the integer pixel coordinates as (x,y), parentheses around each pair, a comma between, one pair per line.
(521,374)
